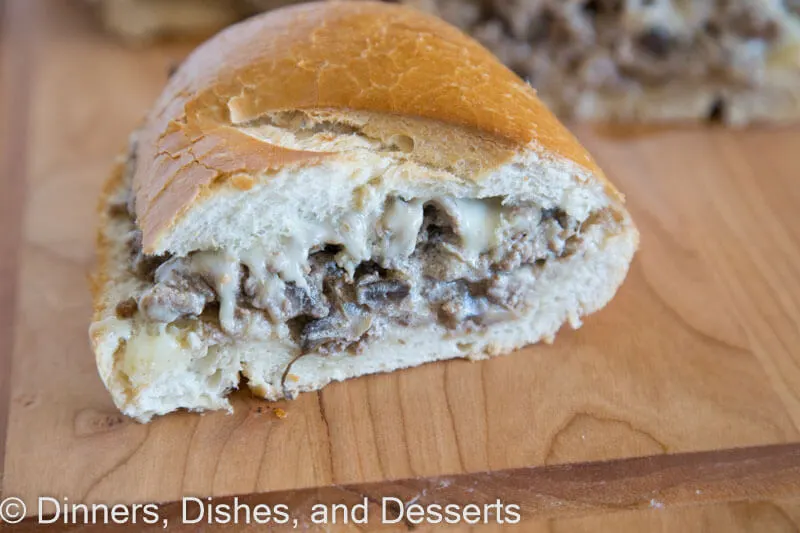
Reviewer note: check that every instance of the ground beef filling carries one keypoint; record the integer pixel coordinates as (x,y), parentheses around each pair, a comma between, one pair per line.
(334,311)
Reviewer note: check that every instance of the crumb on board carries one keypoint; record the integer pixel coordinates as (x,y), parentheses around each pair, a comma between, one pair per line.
(280,413)
(655,504)
(293,377)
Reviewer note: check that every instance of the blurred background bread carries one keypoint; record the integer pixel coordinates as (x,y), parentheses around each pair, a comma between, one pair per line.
(141,21)
(735,61)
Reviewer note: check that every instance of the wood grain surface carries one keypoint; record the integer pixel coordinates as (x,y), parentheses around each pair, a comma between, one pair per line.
(699,351)
(739,517)
(15,47)
(555,494)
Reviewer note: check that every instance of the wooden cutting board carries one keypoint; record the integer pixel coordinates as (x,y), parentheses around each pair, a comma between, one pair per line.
(699,352)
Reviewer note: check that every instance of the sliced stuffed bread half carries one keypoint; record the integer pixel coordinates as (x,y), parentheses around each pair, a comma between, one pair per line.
(338,189)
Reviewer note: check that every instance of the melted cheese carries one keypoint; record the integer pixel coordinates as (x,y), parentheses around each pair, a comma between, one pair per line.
(224,268)
(390,235)
(149,355)
(478,222)
(268,285)
(401,222)
(355,234)
(289,259)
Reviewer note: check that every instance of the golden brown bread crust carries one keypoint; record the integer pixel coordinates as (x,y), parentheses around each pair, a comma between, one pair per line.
(99,276)
(342,56)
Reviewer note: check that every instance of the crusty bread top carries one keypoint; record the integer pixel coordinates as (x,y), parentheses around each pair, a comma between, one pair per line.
(335,56)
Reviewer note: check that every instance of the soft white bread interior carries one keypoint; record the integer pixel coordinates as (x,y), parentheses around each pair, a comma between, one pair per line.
(306,128)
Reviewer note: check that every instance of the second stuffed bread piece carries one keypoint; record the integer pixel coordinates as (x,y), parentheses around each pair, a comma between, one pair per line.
(338,189)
